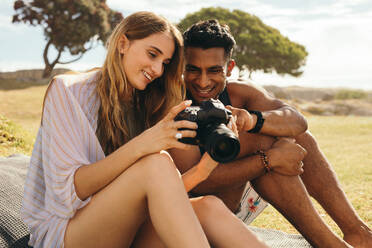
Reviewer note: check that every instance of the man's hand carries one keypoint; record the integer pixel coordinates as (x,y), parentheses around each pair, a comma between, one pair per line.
(285,157)
(244,120)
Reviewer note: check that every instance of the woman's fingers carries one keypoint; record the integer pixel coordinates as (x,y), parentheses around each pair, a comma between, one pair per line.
(185,124)
(185,134)
(176,109)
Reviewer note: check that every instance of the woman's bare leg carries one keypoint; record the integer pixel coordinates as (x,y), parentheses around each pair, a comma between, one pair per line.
(113,216)
(222,227)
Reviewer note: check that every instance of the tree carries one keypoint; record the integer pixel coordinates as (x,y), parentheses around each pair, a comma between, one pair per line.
(73,25)
(259,46)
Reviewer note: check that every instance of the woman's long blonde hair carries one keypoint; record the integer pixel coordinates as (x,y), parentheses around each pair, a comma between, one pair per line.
(124,112)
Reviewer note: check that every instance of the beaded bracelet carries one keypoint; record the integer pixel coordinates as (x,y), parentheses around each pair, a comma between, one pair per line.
(264,160)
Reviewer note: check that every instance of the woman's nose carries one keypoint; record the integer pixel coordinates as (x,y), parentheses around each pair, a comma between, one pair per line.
(157,69)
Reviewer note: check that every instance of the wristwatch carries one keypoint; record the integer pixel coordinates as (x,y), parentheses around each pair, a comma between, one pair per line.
(259,123)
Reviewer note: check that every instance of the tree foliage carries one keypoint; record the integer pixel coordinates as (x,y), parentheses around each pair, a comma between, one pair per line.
(259,46)
(73,25)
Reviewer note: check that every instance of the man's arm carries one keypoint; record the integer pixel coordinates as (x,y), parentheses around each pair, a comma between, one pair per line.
(280,118)
(284,157)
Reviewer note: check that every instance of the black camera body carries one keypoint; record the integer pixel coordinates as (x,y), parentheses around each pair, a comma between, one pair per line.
(212,134)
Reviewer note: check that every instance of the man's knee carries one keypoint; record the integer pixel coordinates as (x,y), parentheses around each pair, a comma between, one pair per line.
(307,140)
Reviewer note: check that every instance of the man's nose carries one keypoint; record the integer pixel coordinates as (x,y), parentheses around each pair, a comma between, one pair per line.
(203,80)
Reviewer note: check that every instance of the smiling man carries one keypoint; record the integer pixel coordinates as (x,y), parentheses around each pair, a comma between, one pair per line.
(279,159)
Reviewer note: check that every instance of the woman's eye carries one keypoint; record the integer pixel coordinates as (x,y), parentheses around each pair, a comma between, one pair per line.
(153,55)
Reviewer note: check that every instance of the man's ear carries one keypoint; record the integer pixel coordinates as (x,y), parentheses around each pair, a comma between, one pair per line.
(123,44)
(230,67)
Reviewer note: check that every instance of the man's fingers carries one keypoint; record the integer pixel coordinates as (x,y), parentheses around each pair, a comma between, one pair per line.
(289,139)
(302,150)
(232,109)
(239,123)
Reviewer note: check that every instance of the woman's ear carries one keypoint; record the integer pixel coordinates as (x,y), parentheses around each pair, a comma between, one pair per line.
(123,44)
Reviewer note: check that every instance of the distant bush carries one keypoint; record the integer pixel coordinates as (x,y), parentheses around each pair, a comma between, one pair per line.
(11,138)
(350,94)
(315,110)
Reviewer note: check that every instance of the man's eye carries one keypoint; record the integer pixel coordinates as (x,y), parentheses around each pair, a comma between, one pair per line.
(215,71)
(191,69)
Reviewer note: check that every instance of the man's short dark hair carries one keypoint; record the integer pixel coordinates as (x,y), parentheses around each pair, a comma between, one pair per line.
(209,34)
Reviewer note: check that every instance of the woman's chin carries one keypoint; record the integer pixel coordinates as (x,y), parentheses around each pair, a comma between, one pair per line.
(140,86)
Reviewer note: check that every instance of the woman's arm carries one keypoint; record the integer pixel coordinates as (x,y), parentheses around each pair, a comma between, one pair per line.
(91,178)
(199,172)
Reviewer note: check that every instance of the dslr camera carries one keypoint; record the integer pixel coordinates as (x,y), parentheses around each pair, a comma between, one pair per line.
(212,134)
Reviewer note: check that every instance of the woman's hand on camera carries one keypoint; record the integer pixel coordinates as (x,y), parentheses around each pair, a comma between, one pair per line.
(165,134)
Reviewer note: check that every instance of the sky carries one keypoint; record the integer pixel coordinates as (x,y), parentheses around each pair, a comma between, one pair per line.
(336,33)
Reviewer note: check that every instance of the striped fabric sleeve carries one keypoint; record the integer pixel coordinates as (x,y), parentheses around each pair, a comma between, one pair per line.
(68,142)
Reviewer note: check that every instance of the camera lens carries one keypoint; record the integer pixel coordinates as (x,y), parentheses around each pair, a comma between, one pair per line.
(221,143)
(224,148)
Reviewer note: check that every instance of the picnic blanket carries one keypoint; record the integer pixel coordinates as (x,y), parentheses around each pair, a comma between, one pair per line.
(14,233)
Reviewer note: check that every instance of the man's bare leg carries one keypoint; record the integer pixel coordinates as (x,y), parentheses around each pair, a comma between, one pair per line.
(289,196)
(327,191)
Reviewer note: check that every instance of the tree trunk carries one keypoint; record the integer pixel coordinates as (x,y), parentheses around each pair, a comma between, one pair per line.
(49,66)
(47,70)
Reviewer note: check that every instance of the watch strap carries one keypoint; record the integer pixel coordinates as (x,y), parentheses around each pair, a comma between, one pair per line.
(259,123)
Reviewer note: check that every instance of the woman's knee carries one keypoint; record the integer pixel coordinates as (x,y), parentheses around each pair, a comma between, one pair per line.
(210,207)
(159,167)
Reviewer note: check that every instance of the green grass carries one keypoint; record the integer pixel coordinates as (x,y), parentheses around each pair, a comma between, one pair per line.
(14,139)
(23,106)
(346,142)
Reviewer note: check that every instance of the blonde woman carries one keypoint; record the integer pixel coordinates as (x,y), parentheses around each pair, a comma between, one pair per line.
(99,169)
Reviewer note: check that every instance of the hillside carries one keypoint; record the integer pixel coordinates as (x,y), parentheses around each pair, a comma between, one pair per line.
(316,101)
(326,101)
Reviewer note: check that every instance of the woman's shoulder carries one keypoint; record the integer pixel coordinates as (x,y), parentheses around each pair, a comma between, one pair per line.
(81,86)
(74,79)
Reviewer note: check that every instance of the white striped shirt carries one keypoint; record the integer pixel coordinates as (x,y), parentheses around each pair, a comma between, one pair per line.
(66,140)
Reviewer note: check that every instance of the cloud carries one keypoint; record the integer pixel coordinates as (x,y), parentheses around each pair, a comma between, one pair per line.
(337,34)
